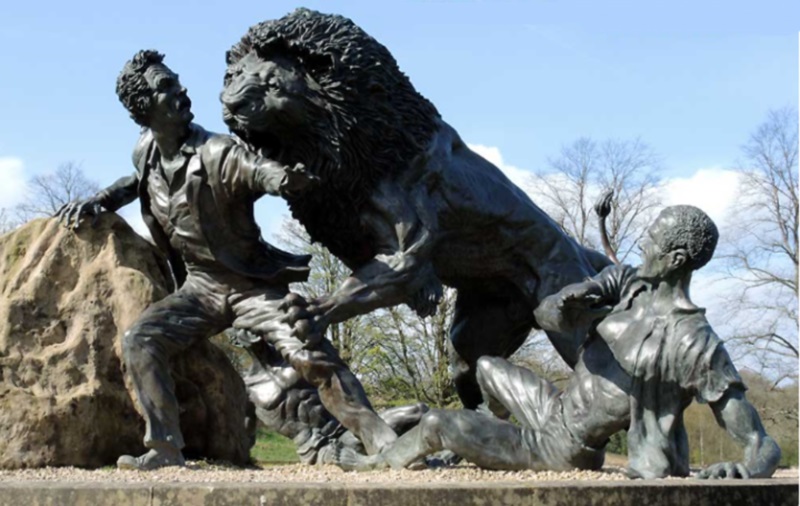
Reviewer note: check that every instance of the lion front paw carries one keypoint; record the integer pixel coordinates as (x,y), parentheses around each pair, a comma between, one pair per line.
(426,301)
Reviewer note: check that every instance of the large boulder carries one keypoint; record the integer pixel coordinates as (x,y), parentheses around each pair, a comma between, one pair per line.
(66,298)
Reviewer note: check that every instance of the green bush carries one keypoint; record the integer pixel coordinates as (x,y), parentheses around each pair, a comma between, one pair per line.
(273,449)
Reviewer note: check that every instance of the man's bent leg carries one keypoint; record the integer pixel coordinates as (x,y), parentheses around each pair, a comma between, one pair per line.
(403,418)
(166,328)
(343,395)
(536,404)
(508,389)
(340,391)
(482,326)
(483,440)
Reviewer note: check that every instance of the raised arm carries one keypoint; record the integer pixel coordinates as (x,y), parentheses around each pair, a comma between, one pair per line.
(738,417)
(243,170)
(579,304)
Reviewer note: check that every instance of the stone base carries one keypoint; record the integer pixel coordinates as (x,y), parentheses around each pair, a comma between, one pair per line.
(777,492)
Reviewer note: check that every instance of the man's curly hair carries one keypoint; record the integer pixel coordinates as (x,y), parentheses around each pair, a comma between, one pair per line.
(689,228)
(132,88)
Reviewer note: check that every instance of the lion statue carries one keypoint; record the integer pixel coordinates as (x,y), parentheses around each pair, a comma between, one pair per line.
(403,201)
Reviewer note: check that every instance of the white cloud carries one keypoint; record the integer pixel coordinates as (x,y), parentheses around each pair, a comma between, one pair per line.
(12,175)
(133,215)
(519,177)
(713,190)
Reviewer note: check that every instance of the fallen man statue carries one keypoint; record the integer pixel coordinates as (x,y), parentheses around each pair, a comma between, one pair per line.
(650,350)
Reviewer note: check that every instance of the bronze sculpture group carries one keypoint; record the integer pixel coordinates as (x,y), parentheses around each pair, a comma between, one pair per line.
(322,117)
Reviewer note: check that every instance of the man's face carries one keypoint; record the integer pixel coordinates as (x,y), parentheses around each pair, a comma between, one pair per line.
(654,259)
(171,106)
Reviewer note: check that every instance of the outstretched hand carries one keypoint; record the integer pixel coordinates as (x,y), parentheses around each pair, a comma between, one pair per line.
(426,301)
(70,214)
(583,302)
(583,295)
(724,470)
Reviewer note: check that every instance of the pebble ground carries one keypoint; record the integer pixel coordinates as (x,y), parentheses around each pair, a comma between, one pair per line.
(204,472)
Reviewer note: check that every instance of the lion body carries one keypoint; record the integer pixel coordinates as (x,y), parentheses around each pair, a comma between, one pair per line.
(403,202)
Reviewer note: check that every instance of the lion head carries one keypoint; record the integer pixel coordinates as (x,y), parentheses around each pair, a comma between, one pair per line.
(317,89)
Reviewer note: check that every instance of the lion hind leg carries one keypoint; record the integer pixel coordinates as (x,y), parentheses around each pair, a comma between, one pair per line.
(485,326)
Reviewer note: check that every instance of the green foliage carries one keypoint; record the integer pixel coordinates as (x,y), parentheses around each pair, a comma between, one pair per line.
(618,443)
(789,455)
(394,353)
(778,409)
(239,357)
(273,449)
(411,358)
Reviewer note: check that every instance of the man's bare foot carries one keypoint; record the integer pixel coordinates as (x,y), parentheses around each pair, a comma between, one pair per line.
(350,460)
(154,459)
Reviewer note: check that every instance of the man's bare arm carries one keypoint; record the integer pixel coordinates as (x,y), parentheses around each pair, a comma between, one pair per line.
(576,305)
(740,419)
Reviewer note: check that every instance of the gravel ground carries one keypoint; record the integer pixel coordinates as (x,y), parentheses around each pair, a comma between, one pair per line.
(203,472)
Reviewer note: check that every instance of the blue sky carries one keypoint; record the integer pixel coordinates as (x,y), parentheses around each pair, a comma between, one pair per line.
(519,79)
(692,79)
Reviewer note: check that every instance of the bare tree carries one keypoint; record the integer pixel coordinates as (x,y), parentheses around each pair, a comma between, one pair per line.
(538,355)
(412,357)
(7,222)
(569,187)
(397,355)
(568,190)
(46,193)
(352,338)
(761,251)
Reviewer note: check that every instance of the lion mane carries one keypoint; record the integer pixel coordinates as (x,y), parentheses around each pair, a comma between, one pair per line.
(370,122)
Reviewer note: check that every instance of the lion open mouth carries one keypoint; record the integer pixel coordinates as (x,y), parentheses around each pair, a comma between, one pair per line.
(267,145)
(247,123)
(245,114)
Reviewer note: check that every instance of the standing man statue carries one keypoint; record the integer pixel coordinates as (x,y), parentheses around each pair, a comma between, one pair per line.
(197,191)
(650,350)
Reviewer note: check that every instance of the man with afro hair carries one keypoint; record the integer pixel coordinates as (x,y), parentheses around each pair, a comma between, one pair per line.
(649,351)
